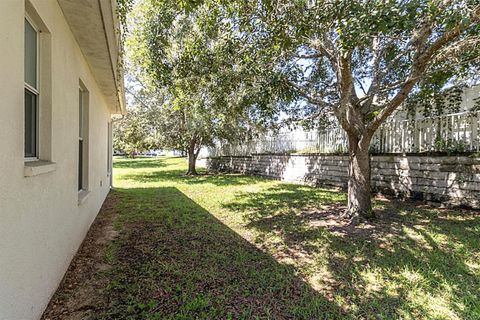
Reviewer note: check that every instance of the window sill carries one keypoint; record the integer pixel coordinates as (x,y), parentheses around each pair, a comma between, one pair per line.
(82,196)
(35,168)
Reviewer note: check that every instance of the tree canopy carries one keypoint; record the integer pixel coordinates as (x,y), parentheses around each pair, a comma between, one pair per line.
(133,133)
(360,60)
(188,58)
(230,64)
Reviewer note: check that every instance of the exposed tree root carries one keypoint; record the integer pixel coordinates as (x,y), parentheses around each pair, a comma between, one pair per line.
(356,216)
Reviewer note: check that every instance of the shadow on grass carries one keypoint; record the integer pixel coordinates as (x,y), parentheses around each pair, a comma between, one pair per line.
(414,263)
(175,260)
(284,197)
(420,254)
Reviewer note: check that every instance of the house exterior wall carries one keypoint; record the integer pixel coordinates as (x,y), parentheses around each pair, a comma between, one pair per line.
(42,223)
(448,180)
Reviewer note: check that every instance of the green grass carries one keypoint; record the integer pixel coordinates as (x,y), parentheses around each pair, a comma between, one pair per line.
(239,247)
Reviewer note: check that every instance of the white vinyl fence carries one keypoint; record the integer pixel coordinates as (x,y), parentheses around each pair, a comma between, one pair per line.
(453,132)
(457,132)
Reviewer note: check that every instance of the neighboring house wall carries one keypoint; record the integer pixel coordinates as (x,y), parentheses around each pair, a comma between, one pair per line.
(42,223)
(450,180)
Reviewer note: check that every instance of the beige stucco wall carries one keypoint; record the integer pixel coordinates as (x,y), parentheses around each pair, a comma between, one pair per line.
(41,223)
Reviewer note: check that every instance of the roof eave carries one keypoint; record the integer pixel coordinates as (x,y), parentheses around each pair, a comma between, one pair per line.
(96,29)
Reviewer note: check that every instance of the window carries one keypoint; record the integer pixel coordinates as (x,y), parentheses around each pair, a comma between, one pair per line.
(31,90)
(37,107)
(82,139)
(109,148)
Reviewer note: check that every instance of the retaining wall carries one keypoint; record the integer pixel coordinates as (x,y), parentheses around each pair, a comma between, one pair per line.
(451,180)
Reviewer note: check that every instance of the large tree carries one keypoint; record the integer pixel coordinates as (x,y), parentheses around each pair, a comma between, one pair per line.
(358,61)
(188,58)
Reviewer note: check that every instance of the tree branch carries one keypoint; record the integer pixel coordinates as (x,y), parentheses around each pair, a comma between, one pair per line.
(376,72)
(422,58)
(313,100)
(327,48)
(310,56)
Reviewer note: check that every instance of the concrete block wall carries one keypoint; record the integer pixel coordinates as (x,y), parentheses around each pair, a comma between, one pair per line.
(452,180)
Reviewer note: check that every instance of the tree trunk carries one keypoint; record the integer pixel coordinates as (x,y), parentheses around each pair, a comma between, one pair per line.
(192,159)
(359,188)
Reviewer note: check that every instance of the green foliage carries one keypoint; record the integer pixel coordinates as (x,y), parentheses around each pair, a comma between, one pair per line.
(187,57)
(451,146)
(123,9)
(133,133)
(476,104)
(239,64)
(303,42)
(434,102)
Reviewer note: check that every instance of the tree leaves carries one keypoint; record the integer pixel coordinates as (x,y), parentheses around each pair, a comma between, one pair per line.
(187,52)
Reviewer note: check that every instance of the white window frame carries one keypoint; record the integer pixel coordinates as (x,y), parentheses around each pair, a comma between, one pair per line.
(81,139)
(36,92)
(84,137)
(109,148)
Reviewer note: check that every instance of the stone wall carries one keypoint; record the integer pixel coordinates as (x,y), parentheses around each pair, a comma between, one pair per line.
(451,180)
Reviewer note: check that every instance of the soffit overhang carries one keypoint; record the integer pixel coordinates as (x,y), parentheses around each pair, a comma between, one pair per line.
(96,28)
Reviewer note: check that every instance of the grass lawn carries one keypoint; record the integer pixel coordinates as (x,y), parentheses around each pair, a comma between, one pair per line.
(238,247)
